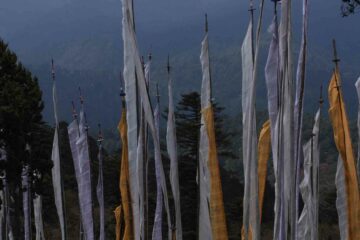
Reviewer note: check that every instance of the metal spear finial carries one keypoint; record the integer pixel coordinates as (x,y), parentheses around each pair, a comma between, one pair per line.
(73,110)
(81,96)
(157,92)
(206,23)
(336,60)
(168,64)
(52,69)
(321,100)
(251,8)
(143,62)
(100,134)
(275,5)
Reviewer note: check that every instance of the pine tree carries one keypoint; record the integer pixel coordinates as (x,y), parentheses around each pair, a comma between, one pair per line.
(21,124)
(349,7)
(188,120)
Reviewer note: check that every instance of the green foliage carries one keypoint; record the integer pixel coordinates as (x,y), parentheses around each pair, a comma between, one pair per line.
(349,7)
(21,125)
(20,109)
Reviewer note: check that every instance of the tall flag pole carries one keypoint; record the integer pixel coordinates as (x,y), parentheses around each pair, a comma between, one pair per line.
(125,208)
(285,228)
(142,160)
(157,228)
(348,200)
(357,85)
(56,170)
(172,151)
(250,52)
(212,222)
(273,93)
(74,134)
(298,109)
(249,142)
(38,218)
(309,187)
(100,187)
(146,155)
(26,187)
(130,80)
(143,91)
(85,192)
(7,219)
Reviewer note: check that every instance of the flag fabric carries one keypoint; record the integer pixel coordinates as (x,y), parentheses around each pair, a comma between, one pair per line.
(5,208)
(141,154)
(118,216)
(56,170)
(285,229)
(144,95)
(100,194)
(343,143)
(205,229)
(84,188)
(249,145)
(308,221)
(357,85)
(2,214)
(157,228)
(140,173)
(38,218)
(299,106)
(125,208)
(212,222)
(341,199)
(73,133)
(272,84)
(130,80)
(172,151)
(264,148)
(26,202)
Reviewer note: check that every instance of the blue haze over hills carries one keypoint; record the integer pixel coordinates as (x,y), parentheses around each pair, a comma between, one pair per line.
(84,38)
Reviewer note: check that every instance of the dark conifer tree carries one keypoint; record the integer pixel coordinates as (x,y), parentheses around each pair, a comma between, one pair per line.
(349,7)
(188,122)
(21,124)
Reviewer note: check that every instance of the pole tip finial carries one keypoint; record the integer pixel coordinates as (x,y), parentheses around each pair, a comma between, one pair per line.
(100,134)
(206,23)
(321,100)
(251,8)
(122,92)
(336,59)
(157,92)
(81,96)
(73,110)
(52,69)
(168,64)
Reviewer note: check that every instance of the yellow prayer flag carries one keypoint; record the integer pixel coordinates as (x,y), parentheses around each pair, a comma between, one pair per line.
(124,180)
(343,143)
(118,216)
(264,148)
(217,212)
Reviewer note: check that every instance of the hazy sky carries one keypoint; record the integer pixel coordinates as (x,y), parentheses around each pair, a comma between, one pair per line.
(85,35)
